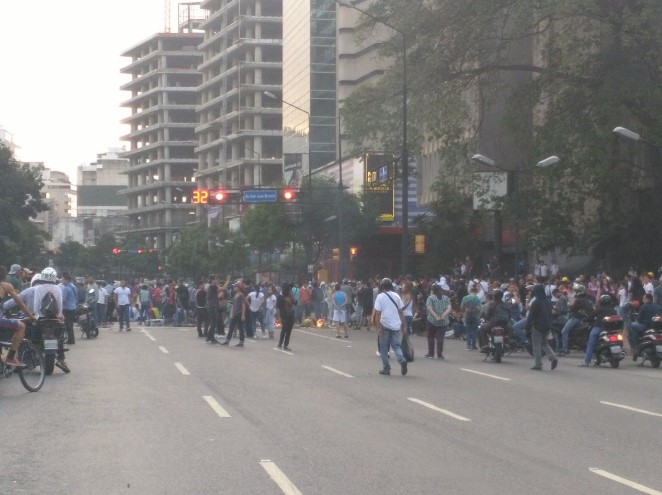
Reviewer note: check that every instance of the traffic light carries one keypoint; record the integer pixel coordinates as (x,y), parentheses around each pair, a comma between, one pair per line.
(289,195)
(218,197)
(118,251)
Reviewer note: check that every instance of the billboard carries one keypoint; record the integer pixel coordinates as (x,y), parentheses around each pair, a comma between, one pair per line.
(379,180)
(293,168)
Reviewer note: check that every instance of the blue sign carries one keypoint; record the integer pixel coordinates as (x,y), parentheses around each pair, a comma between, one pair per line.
(260,196)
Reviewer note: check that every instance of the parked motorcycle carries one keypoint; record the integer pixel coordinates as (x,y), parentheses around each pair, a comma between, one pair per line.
(86,319)
(650,345)
(610,342)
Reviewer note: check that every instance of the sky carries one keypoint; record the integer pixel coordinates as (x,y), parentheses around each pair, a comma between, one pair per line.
(60,91)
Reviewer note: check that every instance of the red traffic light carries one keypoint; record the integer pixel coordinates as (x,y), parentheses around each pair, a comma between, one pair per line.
(219,196)
(288,195)
(140,251)
(117,251)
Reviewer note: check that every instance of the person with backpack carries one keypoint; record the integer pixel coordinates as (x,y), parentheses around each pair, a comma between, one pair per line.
(286,304)
(48,305)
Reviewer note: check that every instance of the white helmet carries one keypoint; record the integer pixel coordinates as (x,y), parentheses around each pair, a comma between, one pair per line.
(35,278)
(49,275)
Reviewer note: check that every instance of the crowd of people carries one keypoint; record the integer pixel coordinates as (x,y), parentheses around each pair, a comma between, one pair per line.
(460,305)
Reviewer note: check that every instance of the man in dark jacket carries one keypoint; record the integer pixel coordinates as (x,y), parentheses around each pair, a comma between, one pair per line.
(579,310)
(647,312)
(605,308)
(539,320)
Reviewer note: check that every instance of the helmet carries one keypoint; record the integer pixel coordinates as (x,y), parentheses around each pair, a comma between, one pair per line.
(606,300)
(580,289)
(49,275)
(35,278)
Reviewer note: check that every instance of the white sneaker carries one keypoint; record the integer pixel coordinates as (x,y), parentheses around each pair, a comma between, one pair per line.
(377,354)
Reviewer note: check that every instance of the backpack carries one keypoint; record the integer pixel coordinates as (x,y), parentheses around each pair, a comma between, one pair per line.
(49,306)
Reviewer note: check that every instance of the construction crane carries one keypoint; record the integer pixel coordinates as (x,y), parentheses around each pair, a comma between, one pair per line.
(166,28)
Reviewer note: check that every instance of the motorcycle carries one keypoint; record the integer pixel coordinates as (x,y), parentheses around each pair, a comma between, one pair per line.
(32,376)
(497,343)
(86,321)
(47,335)
(650,345)
(610,342)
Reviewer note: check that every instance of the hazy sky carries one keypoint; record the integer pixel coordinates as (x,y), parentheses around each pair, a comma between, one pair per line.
(60,79)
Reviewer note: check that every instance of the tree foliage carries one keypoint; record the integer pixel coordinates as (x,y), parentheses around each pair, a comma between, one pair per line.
(559,75)
(20,200)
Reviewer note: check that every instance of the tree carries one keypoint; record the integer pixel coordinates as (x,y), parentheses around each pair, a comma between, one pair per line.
(20,200)
(561,74)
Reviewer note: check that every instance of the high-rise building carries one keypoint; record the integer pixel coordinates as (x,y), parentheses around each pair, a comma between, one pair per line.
(239,131)
(309,83)
(164,83)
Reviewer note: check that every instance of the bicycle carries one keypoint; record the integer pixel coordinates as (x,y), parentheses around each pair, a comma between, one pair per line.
(32,376)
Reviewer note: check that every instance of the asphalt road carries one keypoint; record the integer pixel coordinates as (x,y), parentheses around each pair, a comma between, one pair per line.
(156,411)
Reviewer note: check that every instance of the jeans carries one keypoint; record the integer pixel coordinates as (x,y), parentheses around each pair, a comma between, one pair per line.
(212,319)
(254,317)
(317,309)
(539,343)
(408,320)
(636,329)
(101,311)
(390,338)
(472,332)
(519,330)
(592,343)
(286,331)
(69,318)
(298,313)
(270,320)
(235,322)
(123,315)
(570,325)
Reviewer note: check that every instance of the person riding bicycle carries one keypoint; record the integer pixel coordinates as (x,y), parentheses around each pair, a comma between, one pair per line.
(15,326)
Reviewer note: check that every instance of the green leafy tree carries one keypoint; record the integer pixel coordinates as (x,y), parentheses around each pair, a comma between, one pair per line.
(71,257)
(580,67)
(20,200)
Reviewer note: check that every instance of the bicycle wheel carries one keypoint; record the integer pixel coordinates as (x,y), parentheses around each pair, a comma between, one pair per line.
(33,375)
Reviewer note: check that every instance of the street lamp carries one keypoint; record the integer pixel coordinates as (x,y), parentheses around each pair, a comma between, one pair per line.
(632,136)
(405,157)
(490,163)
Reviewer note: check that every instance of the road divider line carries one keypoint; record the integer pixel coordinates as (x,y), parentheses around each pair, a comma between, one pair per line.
(148,335)
(164,350)
(438,409)
(623,481)
(634,409)
(181,369)
(487,374)
(218,409)
(283,482)
(337,372)
(325,337)
(284,352)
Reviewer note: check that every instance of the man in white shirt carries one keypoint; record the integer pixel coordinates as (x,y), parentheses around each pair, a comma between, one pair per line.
(648,283)
(256,301)
(122,297)
(390,321)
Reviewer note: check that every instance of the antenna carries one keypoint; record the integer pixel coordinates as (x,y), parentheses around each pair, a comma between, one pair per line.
(167,17)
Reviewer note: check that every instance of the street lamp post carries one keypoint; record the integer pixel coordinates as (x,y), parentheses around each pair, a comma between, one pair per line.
(513,178)
(405,157)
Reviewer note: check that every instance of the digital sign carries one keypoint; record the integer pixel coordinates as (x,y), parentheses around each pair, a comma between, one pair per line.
(200,197)
(378,168)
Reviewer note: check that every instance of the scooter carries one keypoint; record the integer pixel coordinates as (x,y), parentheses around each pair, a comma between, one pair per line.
(650,345)
(610,342)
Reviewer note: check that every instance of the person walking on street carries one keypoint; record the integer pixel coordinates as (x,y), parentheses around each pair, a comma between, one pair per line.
(212,310)
(237,315)
(539,322)
(122,297)
(256,303)
(201,313)
(270,317)
(286,308)
(391,323)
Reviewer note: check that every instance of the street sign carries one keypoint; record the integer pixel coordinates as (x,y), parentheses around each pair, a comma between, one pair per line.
(311,268)
(260,196)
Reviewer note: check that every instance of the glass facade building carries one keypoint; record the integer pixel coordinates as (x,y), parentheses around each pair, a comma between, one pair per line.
(309,81)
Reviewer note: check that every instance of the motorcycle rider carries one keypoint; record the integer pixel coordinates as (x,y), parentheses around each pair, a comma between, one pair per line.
(647,312)
(17,327)
(579,310)
(605,308)
(48,283)
(496,313)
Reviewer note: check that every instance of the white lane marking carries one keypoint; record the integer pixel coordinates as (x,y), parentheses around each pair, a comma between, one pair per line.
(148,335)
(164,350)
(623,481)
(338,372)
(438,409)
(284,352)
(325,337)
(181,369)
(283,482)
(218,409)
(642,411)
(487,374)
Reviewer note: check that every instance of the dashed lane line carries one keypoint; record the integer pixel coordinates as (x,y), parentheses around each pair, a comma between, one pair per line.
(487,374)
(634,409)
(283,482)
(218,409)
(164,350)
(438,409)
(623,481)
(325,337)
(283,351)
(181,369)
(148,335)
(337,372)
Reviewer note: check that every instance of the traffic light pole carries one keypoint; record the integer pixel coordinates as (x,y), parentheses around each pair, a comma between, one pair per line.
(341,238)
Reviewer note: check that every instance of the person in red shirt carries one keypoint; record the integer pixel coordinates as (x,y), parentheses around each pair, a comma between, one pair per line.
(305,294)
